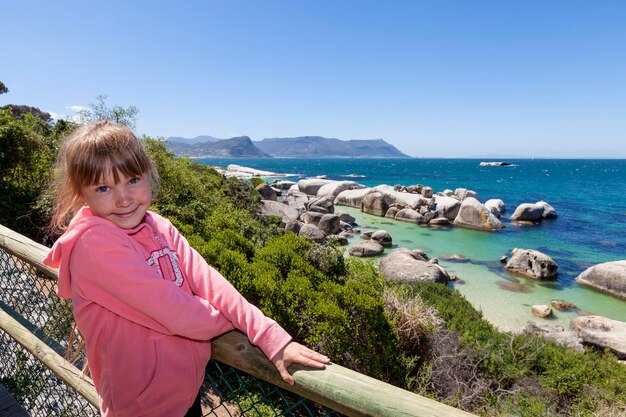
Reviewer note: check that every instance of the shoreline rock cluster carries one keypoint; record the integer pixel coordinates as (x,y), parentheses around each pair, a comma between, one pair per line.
(307,207)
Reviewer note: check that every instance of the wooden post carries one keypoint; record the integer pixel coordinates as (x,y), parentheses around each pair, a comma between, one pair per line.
(64,370)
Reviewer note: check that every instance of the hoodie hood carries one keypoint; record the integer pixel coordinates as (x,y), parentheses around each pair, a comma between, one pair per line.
(60,253)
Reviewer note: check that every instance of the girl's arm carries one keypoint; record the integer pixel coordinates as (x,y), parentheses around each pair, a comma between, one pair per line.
(262,331)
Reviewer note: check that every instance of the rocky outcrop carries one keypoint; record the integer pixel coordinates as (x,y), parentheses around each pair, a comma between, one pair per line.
(533,212)
(267,192)
(496,206)
(274,208)
(352,198)
(329,224)
(447,207)
(312,232)
(608,277)
(333,189)
(532,263)
(366,249)
(473,215)
(312,186)
(405,266)
(374,203)
(383,237)
(555,333)
(602,332)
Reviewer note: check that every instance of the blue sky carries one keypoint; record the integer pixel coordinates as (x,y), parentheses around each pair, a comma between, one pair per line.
(433,78)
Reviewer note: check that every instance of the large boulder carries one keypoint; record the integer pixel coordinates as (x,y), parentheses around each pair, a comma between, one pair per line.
(333,189)
(555,333)
(409,215)
(527,212)
(602,332)
(283,184)
(473,215)
(496,206)
(374,203)
(548,211)
(329,224)
(463,193)
(285,211)
(366,249)
(297,199)
(532,263)
(352,198)
(311,232)
(383,237)
(311,186)
(321,204)
(311,217)
(267,192)
(447,207)
(609,277)
(392,196)
(405,266)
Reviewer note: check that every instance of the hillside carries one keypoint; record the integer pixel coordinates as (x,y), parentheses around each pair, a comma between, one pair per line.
(298,147)
(241,147)
(320,147)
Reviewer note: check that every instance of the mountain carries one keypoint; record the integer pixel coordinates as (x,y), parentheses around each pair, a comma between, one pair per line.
(193,141)
(320,147)
(241,147)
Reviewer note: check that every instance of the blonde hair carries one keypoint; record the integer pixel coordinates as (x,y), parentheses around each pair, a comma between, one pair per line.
(86,156)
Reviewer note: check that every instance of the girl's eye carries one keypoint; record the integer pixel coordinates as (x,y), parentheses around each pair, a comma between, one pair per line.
(102,189)
(134,180)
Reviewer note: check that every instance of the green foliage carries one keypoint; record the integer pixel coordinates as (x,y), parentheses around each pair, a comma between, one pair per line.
(3,88)
(255,182)
(99,110)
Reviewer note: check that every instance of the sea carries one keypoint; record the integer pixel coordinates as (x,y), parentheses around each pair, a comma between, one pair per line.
(589,197)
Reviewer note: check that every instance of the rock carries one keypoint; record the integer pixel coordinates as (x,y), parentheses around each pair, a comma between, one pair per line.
(311,217)
(382,237)
(440,221)
(532,263)
(427,192)
(455,257)
(602,332)
(392,211)
(329,224)
(548,211)
(332,190)
(293,226)
(312,186)
(562,305)
(463,193)
(555,333)
(527,212)
(609,277)
(366,249)
(374,203)
(473,215)
(392,197)
(297,199)
(541,310)
(352,198)
(339,239)
(405,266)
(503,260)
(513,286)
(409,215)
(285,211)
(496,206)
(312,232)
(447,207)
(345,217)
(321,205)
(267,192)
(283,184)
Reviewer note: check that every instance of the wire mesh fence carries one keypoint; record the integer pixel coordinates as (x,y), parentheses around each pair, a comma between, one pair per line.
(31,296)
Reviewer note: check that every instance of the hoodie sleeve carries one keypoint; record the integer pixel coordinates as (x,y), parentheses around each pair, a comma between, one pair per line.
(212,286)
(114,276)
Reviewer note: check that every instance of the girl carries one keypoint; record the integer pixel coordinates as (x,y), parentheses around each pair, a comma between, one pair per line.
(146,303)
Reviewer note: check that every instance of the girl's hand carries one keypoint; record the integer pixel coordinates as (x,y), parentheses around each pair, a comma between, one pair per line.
(296,353)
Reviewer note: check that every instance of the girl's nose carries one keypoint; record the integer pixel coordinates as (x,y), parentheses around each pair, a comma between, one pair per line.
(123,197)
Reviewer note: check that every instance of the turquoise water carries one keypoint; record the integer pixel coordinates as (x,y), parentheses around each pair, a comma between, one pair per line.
(588,195)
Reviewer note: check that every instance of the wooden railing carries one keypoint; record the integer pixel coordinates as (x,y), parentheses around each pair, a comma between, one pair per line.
(336,387)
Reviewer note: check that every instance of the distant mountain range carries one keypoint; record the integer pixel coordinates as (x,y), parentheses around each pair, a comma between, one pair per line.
(299,147)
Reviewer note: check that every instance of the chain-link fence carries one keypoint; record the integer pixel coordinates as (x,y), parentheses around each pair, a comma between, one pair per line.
(30,297)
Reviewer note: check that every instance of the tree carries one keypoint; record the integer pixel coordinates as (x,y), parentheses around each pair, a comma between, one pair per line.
(19,110)
(99,110)
(3,88)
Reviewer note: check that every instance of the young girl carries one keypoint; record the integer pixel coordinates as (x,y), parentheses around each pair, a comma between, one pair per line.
(146,303)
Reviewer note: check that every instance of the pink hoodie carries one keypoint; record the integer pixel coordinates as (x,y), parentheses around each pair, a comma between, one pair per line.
(147,333)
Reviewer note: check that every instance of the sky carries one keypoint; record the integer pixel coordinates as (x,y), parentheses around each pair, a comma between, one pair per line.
(433,78)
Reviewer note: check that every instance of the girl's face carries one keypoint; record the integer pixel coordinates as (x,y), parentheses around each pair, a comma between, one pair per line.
(124,203)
